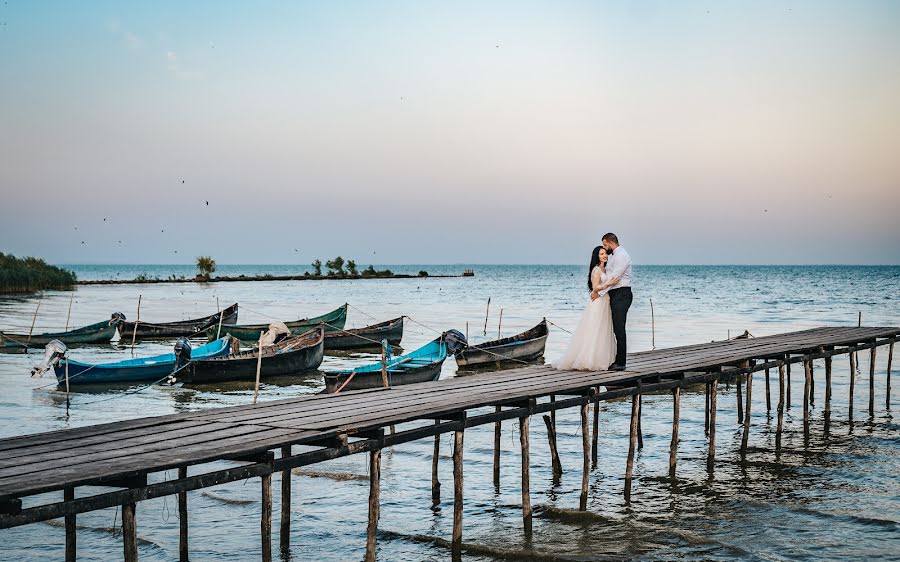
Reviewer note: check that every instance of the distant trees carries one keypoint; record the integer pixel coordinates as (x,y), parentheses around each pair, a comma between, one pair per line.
(206,266)
(338,267)
(25,275)
(317,267)
(351,267)
(335,266)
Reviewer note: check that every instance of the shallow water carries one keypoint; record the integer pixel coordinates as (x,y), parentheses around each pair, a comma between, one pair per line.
(834,497)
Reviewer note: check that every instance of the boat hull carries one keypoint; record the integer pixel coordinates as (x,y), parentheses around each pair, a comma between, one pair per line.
(172,330)
(368,337)
(362,381)
(99,333)
(249,333)
(243,367)
(527,346)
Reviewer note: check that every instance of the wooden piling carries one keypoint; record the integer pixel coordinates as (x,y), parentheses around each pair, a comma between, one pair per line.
(852,384)
(182,519)
(284,533)
(457,490)
(487,312)
(711,455)
(706,412)
(676,416)
(632,442)
(69,314)
(887,397)
(435,483)
(526,493)
(595,433)
(129,533)
(375,502)
(768,394)
(265,520)
(640,429)
(787,401)
(780,425)
(740,402)
(71,550)
(136,322)
(499,324)
(554,454)
(828,385)
(586,452)
(497,435)
(812,382)
(872,383)
(746,436)
(807,369)
(34,318)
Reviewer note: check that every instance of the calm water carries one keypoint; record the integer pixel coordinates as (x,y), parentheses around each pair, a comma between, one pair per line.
(835,497)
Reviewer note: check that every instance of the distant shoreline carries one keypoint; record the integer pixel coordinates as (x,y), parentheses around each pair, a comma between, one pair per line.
(228,279)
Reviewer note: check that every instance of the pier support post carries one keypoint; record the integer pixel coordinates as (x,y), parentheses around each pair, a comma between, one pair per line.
(872,382)
(182,519)
(852,383)
(676,415)
(586,451)
(596,431)
(435,483)
(740,402)
(374,503)
(284,534)
(129,533)
(456,543)
(812,382)
(497,435)
(711,456)
(768,394)
(69,495)
(554,453)
(807,368)
(632,441)
(887,398)
(526,492)
(828,385)
(780,425)
(265,520)
(640,429)
(787,402)
(746,436)
(706,412)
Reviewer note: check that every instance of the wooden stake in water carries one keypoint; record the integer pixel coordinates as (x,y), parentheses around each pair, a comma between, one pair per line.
(500,323)
(134,332)
(486,314)
(67,386)
(219,331)
(258,368)
(652,326)
(69,315)
(34,318)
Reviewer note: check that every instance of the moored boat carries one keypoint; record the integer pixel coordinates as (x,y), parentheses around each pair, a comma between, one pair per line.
(183,328)
(421,365)
(366,337)
(98,333)
(141,369)
(292,355)
(527,346)
(249,333)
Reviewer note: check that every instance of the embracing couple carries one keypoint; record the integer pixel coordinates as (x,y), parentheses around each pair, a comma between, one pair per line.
(599,341)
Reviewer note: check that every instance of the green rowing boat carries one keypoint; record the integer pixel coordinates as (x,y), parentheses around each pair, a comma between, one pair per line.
(101,332)
(249,333)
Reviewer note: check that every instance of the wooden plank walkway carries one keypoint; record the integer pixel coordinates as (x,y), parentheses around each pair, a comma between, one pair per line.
(121,454)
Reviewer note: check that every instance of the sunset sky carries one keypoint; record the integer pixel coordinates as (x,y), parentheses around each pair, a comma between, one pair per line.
(450,132)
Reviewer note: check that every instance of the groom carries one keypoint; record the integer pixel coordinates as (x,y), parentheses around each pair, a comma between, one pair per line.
(619,269)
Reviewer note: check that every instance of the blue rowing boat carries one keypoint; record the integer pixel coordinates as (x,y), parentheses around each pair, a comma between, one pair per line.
(142,369)
(421,365)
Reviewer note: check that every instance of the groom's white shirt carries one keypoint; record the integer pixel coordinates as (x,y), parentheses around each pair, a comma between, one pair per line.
(619,266)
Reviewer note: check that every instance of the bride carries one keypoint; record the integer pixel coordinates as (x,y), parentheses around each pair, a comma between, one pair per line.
(593,346)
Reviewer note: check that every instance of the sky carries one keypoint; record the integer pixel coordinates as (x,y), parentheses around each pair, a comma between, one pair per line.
(450,132)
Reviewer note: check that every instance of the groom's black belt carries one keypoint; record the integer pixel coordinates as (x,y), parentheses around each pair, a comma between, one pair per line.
(622,289)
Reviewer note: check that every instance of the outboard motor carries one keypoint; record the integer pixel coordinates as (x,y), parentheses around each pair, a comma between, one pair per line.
(116,317)
(182,356)
(456,342)
(53,352)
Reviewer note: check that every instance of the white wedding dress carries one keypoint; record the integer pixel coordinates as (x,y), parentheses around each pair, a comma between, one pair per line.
(593,346)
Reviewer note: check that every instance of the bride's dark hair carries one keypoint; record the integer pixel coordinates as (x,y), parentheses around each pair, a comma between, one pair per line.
(595,261)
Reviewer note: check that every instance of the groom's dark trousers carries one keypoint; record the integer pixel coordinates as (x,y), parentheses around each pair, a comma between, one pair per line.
(619,303)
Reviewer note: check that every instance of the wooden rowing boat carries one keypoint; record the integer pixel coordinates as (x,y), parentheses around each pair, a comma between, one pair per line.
(527,346)
(367,337)
(421,365)
(183,328)
(249,333)
(293,355)
(142,369)
(98,333)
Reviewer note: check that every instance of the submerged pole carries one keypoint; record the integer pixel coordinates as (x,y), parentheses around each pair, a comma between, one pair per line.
(435,483)
(676,416)
(284,533)
(69,495)
(374,503)
(586,453)
(265,520)
(554,453)
(497,435)
(457,490)
(746,436)
(713,394)
(129,533)
(632,443)
(526,493)
(182,519)
(872,382)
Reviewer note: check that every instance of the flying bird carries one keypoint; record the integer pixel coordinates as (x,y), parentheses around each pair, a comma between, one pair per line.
(207,203)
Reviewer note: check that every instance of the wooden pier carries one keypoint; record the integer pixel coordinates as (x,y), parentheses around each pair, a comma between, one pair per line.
(120,455)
